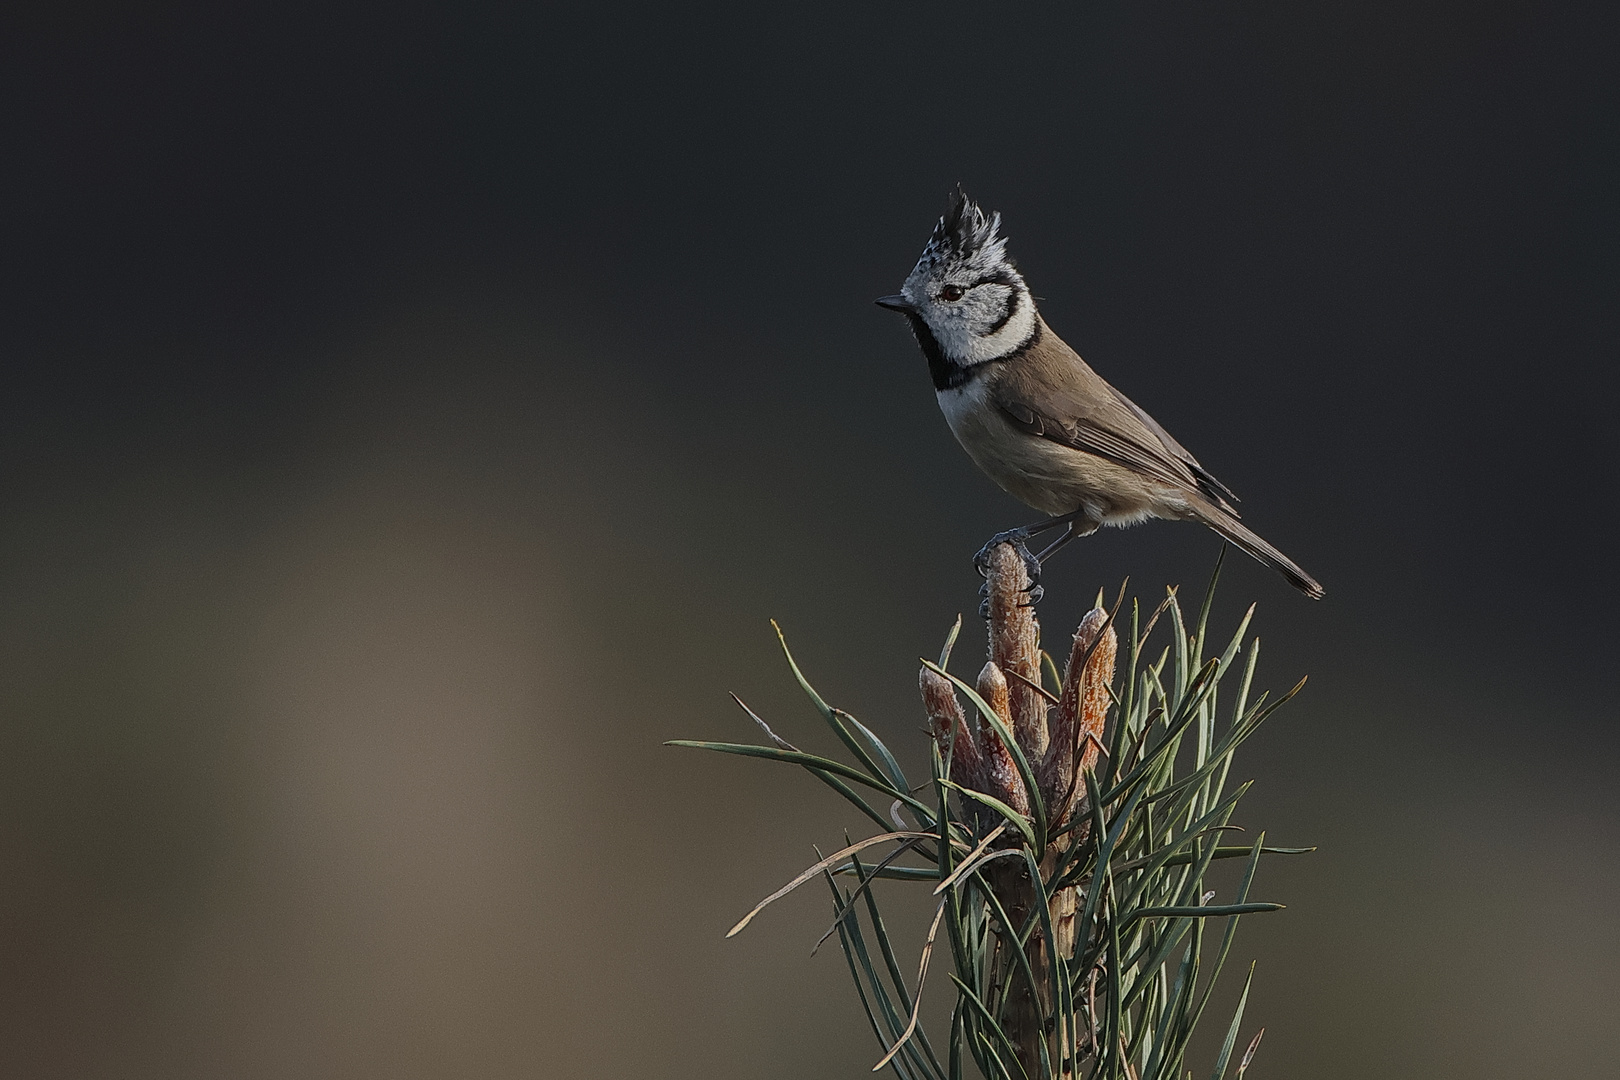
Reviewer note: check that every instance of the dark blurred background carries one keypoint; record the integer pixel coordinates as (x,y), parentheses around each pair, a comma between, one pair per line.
(412,415)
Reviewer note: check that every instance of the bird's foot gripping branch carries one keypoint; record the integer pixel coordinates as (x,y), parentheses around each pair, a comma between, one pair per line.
(1064,836)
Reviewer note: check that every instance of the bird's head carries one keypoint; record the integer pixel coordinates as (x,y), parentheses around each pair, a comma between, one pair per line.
(965,297)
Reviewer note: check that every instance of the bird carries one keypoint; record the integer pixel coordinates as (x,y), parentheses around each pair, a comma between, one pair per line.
(1036,418)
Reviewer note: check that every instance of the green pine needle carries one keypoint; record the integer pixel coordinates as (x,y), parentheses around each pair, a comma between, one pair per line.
(1127,872)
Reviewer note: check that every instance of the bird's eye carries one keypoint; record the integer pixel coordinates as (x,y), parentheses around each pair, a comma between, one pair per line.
(951,293)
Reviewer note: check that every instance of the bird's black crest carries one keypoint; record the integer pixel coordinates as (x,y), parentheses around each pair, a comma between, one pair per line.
(963,232)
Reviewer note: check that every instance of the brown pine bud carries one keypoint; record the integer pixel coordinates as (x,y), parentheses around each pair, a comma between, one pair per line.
(950,728)
(1095,698)
(1082,710)
(1000,774)
(1015,645)
(992,686)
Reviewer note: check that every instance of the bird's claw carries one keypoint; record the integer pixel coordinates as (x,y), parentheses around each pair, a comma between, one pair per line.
(1018,538)
(1032,596)
(1032,567)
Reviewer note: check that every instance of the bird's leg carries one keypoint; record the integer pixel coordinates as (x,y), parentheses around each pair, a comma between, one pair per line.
(1019,537)
(1057,545)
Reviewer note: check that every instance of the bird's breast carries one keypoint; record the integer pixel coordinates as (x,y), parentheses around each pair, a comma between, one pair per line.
(1025,466)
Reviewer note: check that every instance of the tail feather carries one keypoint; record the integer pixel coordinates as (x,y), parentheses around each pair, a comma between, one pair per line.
(1262,552)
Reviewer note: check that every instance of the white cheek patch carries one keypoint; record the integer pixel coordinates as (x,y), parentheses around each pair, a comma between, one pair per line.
(1013,333)
(967,331)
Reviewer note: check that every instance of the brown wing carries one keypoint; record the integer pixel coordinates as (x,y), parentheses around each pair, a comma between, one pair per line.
(1207,483)
(1052,393)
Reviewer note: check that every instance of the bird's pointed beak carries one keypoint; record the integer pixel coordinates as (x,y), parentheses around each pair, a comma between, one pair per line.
(897,303)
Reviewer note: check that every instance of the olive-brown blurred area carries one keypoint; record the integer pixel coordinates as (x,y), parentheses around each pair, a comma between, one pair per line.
(413,416)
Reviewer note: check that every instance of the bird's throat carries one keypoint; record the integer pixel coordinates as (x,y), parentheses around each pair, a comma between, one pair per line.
(949,374)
